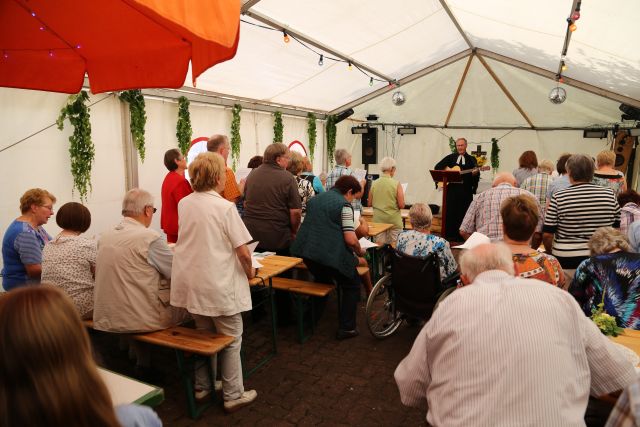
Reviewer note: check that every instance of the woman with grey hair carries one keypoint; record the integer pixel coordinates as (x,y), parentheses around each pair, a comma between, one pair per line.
(420,242)
(387,198)
(611,276)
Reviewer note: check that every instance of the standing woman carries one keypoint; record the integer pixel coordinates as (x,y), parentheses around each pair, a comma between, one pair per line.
(174,188)
(25,238)
(606,176)
(69,261)
(211,268)
(387,198)
(48,374)
(528,163)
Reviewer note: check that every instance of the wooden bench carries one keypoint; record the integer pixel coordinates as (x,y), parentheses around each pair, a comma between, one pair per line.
(187,341)
(361,269)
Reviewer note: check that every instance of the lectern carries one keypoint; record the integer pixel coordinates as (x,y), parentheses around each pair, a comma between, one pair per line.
(445,177)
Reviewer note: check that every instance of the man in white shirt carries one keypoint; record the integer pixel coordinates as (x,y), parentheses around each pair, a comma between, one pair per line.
(508,351)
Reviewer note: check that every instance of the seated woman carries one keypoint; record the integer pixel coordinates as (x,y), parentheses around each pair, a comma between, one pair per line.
(629,202)
(611,276)
(519,220)
(387,198)
(48,374)
(606,176)
(25,238)
(69,261)
(328,244)
(305,187)
(420,242)
(211,268)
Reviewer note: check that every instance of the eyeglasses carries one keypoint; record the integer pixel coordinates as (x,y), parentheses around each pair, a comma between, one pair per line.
(154,209)
(50,207)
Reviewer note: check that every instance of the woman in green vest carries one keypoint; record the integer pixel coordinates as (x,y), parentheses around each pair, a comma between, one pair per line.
(387,198)
(328,244)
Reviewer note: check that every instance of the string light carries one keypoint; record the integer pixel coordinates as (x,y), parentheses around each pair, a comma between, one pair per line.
(51,53)
(564,66)
(285,36)
(350,66)
(575,16)
(5,55)
(33,14)
(78,46)
(320,61)
(41,27)
(573,27)
(371,81)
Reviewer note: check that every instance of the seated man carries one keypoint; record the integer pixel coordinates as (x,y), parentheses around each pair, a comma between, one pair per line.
(132,260)
(483,214)
(508,351)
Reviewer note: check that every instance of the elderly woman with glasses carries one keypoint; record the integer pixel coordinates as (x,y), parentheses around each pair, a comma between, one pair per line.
(610,276)
(211,268)
(25,238)
(420,242)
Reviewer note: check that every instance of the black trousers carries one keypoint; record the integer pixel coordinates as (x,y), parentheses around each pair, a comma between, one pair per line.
(350,288)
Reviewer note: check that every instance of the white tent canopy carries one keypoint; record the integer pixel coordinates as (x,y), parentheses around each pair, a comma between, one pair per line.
(478,69)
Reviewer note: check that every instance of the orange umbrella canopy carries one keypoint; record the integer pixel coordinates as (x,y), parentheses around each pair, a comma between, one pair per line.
(120,44)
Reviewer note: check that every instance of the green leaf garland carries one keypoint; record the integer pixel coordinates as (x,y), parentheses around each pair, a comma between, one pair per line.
(331,137)
(495,155)
(236,140)
(278,127)
(452,144)
(183,128)
(138,117)
(81,148)
(311,131)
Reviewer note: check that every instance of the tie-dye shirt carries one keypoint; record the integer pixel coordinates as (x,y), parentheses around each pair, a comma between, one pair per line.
(619,274)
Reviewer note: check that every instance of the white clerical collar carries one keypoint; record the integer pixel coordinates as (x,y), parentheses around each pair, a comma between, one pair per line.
(460,160)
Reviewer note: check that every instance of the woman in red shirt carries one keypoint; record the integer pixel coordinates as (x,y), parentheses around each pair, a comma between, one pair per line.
(174,188)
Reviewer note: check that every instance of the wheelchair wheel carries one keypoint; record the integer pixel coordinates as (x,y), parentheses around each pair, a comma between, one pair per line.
(382,317)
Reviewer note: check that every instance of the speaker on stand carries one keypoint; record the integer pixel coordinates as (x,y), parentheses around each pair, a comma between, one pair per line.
(370,147)
(623,147)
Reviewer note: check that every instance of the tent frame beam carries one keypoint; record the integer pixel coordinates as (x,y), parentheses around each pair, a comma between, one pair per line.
(455,98)
(552,76)
(248,5)
(445,6)
(308,40)
(504,89)
(427,70)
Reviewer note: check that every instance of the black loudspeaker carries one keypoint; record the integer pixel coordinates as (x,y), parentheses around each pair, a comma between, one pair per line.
(370,147)
(343,115)
(623,146)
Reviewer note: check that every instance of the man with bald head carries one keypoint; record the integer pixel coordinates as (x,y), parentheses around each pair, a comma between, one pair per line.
(507,351)
(483,214)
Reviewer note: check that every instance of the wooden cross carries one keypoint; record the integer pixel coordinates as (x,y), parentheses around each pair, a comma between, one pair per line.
(478,152)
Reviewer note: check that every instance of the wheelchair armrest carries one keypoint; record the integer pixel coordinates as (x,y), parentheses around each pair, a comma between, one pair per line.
(451,280)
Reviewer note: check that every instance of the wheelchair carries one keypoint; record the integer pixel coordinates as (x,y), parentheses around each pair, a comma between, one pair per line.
(410,290)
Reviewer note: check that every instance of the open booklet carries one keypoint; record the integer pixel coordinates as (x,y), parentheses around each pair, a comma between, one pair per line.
(366,243)
(254,256)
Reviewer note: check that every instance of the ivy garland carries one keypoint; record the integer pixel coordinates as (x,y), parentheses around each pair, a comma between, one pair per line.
(278,127)
(452,144)
(183,128)
(311,131)
(495,155)
(331,137)
(81,148)
(236,140)
(138,117)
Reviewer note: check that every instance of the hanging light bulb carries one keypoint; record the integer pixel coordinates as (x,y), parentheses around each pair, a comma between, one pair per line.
(575,16)
(41,27)
(350,66)
(5,55)
(51,53)
(285,36)
(563,67)
(371,81)
(573,27)
(320,61)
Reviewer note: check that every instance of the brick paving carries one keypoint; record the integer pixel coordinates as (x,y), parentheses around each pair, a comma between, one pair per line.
(321,382)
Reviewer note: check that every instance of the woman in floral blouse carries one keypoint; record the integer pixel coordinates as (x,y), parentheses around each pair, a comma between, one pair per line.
(420,242)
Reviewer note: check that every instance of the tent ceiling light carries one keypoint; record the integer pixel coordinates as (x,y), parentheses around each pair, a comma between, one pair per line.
(320,61)
(360,130)
(372,118)
(595,133)
(407,130)
(634,132)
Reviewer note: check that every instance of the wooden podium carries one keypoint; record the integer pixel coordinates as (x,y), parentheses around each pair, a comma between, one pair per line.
(446,178)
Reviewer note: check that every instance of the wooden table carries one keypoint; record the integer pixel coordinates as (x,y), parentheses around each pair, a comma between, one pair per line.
(367,214)
(377,228)
(272,265)
(125,390)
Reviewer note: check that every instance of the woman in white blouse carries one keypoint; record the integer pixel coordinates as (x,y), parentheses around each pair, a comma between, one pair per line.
(69,260)
(211,268)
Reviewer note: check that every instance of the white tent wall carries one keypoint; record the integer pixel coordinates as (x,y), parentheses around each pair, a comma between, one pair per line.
(43,160)
(416,154)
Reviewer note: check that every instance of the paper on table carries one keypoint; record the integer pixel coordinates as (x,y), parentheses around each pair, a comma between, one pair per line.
(242,173)
(404,187)
(359,174)
(254,260)
(366,243)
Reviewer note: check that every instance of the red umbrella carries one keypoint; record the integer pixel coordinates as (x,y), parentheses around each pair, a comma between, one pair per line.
(120,44)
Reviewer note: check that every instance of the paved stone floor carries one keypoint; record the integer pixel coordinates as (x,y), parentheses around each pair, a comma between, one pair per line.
(321,382)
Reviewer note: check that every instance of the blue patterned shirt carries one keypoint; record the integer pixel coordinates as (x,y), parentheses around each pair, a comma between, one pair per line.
(333,176)
(415,243)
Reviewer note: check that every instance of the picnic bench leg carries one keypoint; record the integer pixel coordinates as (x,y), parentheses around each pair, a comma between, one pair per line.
(186,374)
(274,334)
